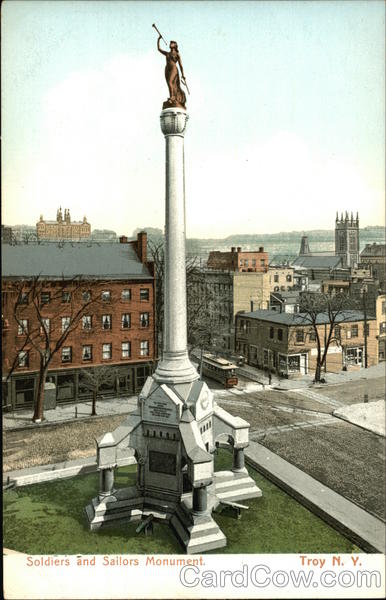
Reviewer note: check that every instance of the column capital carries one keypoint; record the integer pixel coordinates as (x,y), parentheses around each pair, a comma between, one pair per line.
(173,121)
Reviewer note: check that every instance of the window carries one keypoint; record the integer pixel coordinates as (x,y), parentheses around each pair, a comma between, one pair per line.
(86,296)
(106,351)
(22,326)
(23,298)
(65,323)
(299,335)
(276,288)
(246,262)
(45,297)
(126,350)
(23,359)
(66,297)
(144,348)
(262,262)
(289,277)
(66,354)
(144,294)
(271,332)
(86,322)
(312,336)
(125,321)
(337,332)
(86,352)
(354,330)
(144,319)
(354,356)
(276,278)
(280,335)
(106,321)
(126,295)
(382,327)
(384,307)
(46,325)
(253,262)
(106,296)
(366,329)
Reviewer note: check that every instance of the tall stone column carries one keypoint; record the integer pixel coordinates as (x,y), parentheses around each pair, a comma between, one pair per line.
(175,366)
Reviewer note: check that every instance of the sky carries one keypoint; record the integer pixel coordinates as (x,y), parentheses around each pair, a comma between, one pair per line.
(286,113)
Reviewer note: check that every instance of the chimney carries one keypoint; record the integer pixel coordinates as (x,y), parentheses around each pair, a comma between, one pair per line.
(238,248)
(251,305)
(123,239)
(261,248)
(233,249)
(142,246)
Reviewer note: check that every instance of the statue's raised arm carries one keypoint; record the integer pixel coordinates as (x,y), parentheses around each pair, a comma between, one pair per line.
(159,47)
(177,98)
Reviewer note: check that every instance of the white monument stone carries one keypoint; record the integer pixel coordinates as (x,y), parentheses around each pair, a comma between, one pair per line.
(176,427)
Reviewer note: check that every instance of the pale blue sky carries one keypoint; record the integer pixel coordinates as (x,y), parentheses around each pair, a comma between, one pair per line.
(286,112)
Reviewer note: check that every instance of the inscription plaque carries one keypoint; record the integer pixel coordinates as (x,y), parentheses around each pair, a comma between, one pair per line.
(162,462)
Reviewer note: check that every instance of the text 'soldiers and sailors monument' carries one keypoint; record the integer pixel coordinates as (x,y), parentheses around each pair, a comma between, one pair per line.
(176,425)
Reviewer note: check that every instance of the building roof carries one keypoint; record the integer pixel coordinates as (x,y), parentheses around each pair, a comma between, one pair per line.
(71,259)
(317,262)
(373,250)
(282,260)
(287,296)
(301,318)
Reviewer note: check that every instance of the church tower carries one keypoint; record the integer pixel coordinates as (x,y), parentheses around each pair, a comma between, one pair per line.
(347,239)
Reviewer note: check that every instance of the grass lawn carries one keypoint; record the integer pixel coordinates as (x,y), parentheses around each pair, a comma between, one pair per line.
(49,518)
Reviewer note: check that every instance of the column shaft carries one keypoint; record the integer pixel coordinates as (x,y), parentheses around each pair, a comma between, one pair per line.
(200,499)
(238,459)
(106,481)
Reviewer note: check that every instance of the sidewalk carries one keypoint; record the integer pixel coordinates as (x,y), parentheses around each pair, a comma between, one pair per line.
(67,412)
(304,381)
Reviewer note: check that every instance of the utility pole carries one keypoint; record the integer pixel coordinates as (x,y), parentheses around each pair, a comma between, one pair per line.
(364,298)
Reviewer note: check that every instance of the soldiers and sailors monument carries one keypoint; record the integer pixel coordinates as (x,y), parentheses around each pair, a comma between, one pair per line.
(177,425)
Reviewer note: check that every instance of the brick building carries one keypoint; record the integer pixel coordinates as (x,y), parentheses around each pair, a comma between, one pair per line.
(239,261)
(63,228)
(281,278)
(226,293)
(286,344)
(381,327)
(116,330)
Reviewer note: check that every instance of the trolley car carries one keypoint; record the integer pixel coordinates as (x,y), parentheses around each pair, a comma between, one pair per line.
(219,369)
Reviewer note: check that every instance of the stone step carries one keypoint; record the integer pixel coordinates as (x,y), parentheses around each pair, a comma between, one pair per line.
(220,485)
(234,489)
(244,494)
(205,543)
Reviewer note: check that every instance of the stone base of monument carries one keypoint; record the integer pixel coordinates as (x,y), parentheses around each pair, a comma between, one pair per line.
(197,532)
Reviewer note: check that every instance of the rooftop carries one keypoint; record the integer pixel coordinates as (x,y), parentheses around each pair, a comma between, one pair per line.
(374,250)
(321,261)
(302,318)
(72,259)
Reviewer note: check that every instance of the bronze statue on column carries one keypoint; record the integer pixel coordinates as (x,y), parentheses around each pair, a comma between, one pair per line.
(177,97)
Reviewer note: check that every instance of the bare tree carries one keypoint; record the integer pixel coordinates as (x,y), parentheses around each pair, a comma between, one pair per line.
(94,378)
(46,314)
(156,249)
(202,325)
(317,309)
